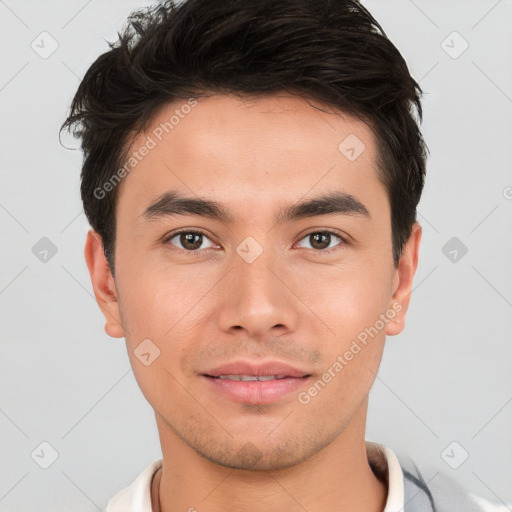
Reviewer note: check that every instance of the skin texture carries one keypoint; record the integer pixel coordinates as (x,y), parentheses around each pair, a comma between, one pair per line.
(294,303)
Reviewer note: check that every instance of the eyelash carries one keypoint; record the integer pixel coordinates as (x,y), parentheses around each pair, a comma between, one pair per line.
(167,239)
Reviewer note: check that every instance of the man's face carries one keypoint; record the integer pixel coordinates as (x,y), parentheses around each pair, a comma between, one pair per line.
(251,288)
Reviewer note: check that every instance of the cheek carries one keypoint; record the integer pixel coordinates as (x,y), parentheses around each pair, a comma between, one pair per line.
(347,298)
(167,307)
(352,308)
(155,297)
(153,312)
(351,304)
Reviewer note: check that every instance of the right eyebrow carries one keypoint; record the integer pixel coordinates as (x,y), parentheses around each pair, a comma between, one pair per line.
(173,203)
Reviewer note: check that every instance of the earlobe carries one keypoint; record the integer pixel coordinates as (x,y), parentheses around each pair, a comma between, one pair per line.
(403,280)
(103,284)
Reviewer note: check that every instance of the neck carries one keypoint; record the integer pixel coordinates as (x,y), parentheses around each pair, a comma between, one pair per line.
(337,478)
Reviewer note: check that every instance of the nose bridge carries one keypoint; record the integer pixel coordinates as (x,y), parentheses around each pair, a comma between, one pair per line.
(256,298)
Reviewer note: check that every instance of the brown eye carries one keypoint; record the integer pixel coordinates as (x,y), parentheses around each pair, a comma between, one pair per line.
(189,240)
(321,240)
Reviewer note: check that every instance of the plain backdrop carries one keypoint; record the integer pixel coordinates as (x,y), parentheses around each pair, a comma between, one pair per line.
(444,391)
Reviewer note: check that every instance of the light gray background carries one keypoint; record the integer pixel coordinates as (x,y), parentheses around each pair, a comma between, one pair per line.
(65,382)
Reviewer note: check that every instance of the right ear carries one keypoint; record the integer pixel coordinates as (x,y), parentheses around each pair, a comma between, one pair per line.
(103,284)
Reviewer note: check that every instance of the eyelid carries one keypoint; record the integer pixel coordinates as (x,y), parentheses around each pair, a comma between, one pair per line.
(331,231)
(168,237)
(345,239)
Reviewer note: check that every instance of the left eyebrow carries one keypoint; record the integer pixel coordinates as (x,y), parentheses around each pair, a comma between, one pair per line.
(333,203)
(172,203)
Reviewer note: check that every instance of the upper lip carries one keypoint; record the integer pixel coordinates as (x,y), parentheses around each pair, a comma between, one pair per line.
(259,369)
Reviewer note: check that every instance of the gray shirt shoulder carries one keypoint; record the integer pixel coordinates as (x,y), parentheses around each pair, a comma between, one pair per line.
(441,493)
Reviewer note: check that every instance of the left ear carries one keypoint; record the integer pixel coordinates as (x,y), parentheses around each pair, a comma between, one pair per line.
(402,280)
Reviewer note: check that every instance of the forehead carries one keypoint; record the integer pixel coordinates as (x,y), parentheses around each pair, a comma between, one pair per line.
(250,150)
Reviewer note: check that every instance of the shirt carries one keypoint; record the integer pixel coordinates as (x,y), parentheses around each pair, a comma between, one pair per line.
(407,489)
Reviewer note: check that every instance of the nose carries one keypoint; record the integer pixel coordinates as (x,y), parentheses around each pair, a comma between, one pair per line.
(258,298)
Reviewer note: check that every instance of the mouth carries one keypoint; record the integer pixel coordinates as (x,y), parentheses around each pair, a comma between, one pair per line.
(255,389)
(252,378)
(255,382)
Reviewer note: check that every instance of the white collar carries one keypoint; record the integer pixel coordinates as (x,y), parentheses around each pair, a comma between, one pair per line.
(395,501)
(137,496)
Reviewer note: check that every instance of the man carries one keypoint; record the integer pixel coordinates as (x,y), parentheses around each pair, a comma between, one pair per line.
(251,175)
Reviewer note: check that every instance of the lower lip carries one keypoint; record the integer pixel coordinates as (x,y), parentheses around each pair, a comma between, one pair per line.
(256,391)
